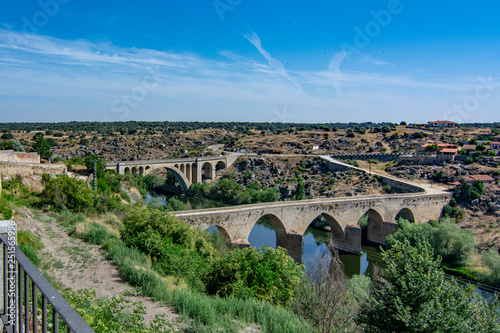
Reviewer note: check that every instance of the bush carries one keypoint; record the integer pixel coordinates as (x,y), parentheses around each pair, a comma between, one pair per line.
(448,240)
(7,136)
(174,247)
(387,188)
(412,295)
(64,192)
(265,274)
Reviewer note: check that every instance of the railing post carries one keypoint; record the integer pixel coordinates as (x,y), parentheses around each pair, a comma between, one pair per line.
(8,293)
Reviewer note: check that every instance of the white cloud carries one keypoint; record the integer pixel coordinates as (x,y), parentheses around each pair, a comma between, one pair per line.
(49,79)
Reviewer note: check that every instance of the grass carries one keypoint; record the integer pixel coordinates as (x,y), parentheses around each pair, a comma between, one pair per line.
(206,313)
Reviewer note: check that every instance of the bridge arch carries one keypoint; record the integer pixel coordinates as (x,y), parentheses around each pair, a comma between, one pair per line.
(127,170)
(134,170)
(223,232)
(141,170)
(207,171)
(181,178)
(374,231)
(406,214)
(220,166)
(188,171)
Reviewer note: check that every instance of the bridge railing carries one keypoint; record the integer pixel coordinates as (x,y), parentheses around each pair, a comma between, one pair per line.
(25,288)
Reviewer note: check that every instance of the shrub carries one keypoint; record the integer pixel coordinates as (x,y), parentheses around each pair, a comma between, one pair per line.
(64,192)
(387,188)
(265,274)
(448,240)
(412,295)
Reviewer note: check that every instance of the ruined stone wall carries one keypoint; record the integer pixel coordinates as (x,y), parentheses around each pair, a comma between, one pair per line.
(19,157)
(11,169)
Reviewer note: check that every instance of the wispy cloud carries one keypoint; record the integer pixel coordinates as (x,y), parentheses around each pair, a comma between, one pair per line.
(274,63)
(49,79)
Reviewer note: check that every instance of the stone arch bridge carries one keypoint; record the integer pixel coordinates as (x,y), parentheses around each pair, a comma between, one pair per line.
(291,219)
(187,171)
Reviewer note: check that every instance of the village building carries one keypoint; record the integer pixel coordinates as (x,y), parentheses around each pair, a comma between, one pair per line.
(442,123)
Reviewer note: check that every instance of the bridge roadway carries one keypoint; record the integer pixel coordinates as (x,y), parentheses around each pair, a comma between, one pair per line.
(291,218)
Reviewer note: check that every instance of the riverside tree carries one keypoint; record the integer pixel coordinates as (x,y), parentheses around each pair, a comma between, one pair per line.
(411,295)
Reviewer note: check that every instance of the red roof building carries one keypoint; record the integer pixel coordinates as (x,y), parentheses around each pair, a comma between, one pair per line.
(483,178)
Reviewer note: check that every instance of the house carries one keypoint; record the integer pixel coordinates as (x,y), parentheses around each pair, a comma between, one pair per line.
(448,151)
(440,145)
(469,147)
(483,178)
(495,145)
(442,123)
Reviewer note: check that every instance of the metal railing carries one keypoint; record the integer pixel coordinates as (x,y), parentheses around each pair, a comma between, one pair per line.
(25,289)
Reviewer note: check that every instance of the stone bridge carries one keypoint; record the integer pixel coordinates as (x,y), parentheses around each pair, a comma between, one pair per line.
(187,171)
(292,218)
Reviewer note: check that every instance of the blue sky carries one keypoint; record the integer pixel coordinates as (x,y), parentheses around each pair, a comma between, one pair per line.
(241,60)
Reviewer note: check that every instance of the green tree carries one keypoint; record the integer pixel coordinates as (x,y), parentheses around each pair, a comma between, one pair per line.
(64,192)
(265,274)
(17,146)
(411,295)
(454,244)
(466,193)
(42,147)
(100,165)
(300,191)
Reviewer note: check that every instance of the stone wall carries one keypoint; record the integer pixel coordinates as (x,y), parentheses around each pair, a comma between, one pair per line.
(11,169)
(19,157)
(367,156)
(426,159)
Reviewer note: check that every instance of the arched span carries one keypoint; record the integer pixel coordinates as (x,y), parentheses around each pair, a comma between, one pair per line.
(126,170)
(183,182)
(207,170)
(220,166)
(375,227)
(134,170)
(336,229)
(141,170)
(406,214)
(279,230)
(223,232)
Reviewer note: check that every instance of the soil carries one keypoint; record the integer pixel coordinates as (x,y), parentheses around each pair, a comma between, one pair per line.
(79,265)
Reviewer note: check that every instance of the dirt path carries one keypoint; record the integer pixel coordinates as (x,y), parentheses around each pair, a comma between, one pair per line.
(78,265)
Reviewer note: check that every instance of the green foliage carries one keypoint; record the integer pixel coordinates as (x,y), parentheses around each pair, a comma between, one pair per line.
(265,274)
(387,188)
(227,190)
(466,193)
(300,191)
(175,205)
(114,315)
(30,244)
(64,192)
(207,313)
(174,247)
(100,165)
(432,148)
(448,240)
(17,146)
(7,136)
(42,147)
(469,160)
(491,259)
(412,295)
(363,221)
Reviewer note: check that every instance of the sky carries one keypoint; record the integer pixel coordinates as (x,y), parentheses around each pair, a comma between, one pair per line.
(242,60)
